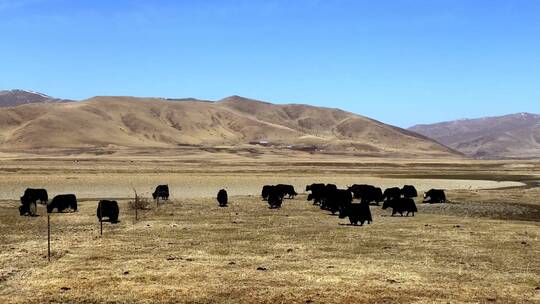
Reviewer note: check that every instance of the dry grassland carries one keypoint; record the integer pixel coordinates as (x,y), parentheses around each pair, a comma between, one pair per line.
(483,247)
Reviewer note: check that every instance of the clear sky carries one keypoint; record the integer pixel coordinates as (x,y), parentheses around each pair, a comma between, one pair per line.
(401,62)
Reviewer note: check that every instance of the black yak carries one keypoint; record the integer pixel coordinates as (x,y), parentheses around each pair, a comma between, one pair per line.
(435,196)
(356,213)
(287,190)
(409,191)
(317,193)
(29,200)
(222,198)
(62,202)
(367,193)
(108,209)
(275,199)
(392,193)
(162,191)
(27,208)
(337,198)
(329,190)
(34,195)
(265,192)
(378,195)
(401,205)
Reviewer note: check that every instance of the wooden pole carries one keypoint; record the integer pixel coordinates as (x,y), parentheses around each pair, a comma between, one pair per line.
(100,219)
(136,204)
(48,236)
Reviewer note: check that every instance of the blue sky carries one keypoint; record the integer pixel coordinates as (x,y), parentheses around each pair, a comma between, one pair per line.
(401,62)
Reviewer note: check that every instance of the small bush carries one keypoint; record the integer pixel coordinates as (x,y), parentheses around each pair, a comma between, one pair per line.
(139,203)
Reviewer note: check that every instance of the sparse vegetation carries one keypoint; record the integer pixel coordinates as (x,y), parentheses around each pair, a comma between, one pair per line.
(481,247)
(138,202)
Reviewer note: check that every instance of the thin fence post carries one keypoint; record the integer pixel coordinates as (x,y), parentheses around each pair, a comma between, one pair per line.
(48,236)
(100,219)
(136,205)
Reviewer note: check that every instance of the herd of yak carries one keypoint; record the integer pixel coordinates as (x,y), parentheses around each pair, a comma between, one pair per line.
(327,196)
(335,200)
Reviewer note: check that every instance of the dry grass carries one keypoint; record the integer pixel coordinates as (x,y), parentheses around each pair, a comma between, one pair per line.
(112,122)
(483,247)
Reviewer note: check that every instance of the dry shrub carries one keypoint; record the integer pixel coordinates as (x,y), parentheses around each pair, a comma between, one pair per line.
(139,202)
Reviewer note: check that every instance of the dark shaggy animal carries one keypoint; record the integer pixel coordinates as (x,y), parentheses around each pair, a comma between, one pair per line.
(409,191)
(108,209)
(162,191)
(378,195)
(356,213)
(337,199)
(34,195)
(222,198)
(434,196)
(328,192)
(265,192)
(287,190)
(275,198)
(367,193)
(401,205)
(317,193)
(62,202)
(28,208)
(392,193)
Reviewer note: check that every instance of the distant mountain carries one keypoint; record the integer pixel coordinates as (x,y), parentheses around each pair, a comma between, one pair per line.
(509,136)
(233,121)
(13,98)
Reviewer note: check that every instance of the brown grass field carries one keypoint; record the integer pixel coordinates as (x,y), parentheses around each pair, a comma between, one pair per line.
(482,247)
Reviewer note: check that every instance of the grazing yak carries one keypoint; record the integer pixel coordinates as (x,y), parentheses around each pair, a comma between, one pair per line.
(401,205)
(329,190)
(409,191)
(287,190)
(392,193)
(434,196)
(317,193)
(162,191)
(34,195)
(30,199)
(265,192)
(108,209)
(367,193)
(337,199)
(222,198)
(282,189)
(320,194)
(356,213)
(275,197)
(27,208)
(62,202)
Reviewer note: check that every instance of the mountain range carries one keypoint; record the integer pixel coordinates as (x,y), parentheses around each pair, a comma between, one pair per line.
(509,136)
(32,120)
(12,98)
(233,121)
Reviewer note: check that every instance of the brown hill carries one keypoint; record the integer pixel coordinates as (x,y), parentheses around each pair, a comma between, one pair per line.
(233,121)
(509,136)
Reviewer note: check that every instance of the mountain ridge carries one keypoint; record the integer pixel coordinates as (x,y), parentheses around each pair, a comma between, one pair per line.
(17,97)
(507,136)
(123,121)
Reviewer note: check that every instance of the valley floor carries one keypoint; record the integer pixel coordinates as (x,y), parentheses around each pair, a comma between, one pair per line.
(481,247)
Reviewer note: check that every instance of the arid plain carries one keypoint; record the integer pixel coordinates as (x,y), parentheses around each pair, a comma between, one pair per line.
(480,247)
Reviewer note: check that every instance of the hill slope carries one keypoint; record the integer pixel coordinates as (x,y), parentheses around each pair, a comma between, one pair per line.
(233,121)
(509,136)
(13,98)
